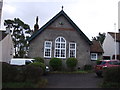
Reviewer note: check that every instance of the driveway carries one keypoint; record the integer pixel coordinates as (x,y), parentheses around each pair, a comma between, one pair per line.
(89,80)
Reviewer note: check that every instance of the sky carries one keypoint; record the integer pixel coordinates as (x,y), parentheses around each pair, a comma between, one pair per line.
(91,16)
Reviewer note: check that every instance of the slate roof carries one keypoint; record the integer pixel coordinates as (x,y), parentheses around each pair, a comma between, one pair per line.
(52,20)
(113,36)
(96,47)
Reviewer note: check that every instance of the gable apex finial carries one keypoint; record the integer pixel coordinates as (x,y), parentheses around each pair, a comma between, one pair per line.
(62,7)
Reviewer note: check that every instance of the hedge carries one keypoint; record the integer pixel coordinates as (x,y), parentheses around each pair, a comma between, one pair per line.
(112,74)
(39,64)
(9,72)
(12,73)
(39,59)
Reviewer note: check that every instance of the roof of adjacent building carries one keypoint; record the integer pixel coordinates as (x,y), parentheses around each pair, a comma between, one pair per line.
(96,47)
(2,35)
(113,36)
(53,19)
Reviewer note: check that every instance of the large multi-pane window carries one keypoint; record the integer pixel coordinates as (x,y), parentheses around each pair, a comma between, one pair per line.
(47,49)
(60,48)
(72,50)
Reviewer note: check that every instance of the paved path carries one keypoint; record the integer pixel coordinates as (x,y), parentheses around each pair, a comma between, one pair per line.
(89,80)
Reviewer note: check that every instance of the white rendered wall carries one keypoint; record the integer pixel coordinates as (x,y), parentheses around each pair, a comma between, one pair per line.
(109,46)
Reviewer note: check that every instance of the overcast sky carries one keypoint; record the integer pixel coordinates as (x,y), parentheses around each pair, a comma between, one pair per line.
(91,16)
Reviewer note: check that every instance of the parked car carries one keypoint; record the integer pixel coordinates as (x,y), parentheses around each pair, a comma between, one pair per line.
(21,61)
(102,64)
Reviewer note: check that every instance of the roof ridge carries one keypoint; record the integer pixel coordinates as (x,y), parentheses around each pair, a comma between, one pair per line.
(53,19)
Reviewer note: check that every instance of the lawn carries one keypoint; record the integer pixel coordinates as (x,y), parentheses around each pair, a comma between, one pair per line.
(28,84)
(77,72)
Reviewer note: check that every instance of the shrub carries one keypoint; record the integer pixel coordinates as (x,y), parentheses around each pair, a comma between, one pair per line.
(112,74)
(32,73)
(71,63)
(88,67)
(55,63)
(9,72)
(39,64)
(39,59)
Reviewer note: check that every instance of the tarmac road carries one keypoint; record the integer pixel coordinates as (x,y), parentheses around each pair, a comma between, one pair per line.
(89,80)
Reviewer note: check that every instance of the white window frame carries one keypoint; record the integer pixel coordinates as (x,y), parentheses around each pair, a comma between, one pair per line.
(60,49)
(74,49)
(48,48)
(96,56)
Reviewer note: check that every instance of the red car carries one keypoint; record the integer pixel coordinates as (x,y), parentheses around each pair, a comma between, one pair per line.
(102,64)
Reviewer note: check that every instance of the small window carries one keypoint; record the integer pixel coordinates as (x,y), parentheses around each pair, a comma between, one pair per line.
(93,56)
(72,50)
(47,49)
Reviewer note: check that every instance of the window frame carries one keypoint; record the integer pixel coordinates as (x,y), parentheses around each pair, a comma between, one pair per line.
(96,56)
(72,49)
(48,48)
(59,48)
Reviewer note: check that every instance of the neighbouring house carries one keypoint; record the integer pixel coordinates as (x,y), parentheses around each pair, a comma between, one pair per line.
(61,38)
(96,51)
(111,46)
(6,47)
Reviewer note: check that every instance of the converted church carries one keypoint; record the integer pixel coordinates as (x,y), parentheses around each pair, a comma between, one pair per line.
(61,38)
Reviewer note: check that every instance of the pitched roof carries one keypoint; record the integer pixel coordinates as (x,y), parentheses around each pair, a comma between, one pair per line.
(2,35)
(53,19)
(96,47)
(113,36)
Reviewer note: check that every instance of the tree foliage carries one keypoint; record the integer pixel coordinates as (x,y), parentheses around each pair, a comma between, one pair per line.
(100,37)
(20,32)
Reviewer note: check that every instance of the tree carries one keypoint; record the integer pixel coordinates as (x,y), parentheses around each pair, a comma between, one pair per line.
(20,32)
(100,37)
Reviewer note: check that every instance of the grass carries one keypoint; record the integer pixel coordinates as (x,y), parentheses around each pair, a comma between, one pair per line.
(18,85)
(40,84)
(73,72)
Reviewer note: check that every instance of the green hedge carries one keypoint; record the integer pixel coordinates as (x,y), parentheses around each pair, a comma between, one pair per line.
(39,59)
(39,64)
(55,63)
(9,72)
(71,63)
(32,73)
(112,74)
(12,73)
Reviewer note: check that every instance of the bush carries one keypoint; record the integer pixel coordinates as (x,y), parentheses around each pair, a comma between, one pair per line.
(71,63)
(55,63)
(12,73)
(88,67)
(9,72)
(32,73)
(39,64)
(39,59)
(112,74)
